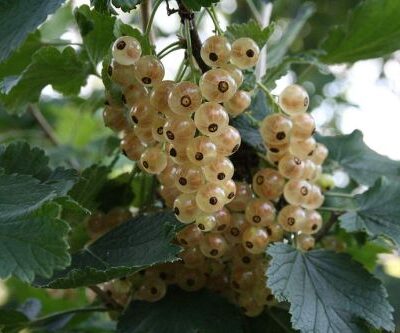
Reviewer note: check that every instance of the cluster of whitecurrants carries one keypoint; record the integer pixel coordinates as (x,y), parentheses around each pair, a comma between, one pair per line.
(180,131)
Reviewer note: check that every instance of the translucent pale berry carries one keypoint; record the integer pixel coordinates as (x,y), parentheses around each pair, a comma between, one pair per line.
(179,130)
(228,142)
(313,222)
(229,187)
(255,239)
(169,194)
(294,100)
(132,147)
(217,85)
(157,127)
(310,170)
(260,212)
(219,171)
(326,182)
(319,154)
(211,119)
(242,258)
(191,279)
(154,160)
(213,245)
(245,53)
(149,70)
(152,290)
(134,93)
(115,118)
(192,257)
(142,114)
(159,97)
(291,166)
(185,208)
(206,222)
(201,151)
(275,232)
(297,192)
(222,220)
(292,218)
(274,159)
(242,278)
(315,199)
(189,236)
(238,103)
(168,175)
(268,183)
(249,306)
(305,242)
(303,149)
(126,50)
(235,230)
(243,195)
(235,72)
(185,98)
(177,154)
(122,75)
(210,198)
(215,51)
(278,150)
(189,178)
(145,134)
(276,129)
(303,126)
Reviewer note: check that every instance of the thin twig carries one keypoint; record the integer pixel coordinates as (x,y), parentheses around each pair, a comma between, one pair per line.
(145,12)
(105,298)
(327,226)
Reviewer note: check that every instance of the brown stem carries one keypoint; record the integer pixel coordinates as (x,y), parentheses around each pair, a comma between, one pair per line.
(187,14)
(145,11)
(106,298)
(327,226)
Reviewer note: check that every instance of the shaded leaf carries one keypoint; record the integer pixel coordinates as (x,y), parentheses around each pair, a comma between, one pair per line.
(180,312)
(250,29)
(361,163)
(328,292)
(378,211)
(19,18)
(137,243)
(197,4)
(273,320)
(372,30)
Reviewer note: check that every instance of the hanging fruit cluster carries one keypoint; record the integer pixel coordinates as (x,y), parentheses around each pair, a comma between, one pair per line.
(180,132)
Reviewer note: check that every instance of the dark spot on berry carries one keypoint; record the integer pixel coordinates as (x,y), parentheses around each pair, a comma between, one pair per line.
(190,282)
(182,181)
(246,260)
(297,161)
(123,98)
(134,119)
(250,53)
(274,150)
(313,131)
(249,245)
(183,241)
(214,252)
(235,232)
(270,298)
(198,156)
(213,201)
(213,56)
(304,190)
(212,128)
(186,101)
(221,176)
(311,153)
(280,135)
(291,221)
(176,211)
(160,130)
(146,80)
(145,164)
(256,219)
(124,152)
(201,226)
(221,227)
(306,101)
(260,180)
(231,195)
(223,86)
(163,275)
(154,290)
(314,227)
(109,70)
(235,149)
(121,45)
(170,135)
(172,152)
(269,231)
(109,293)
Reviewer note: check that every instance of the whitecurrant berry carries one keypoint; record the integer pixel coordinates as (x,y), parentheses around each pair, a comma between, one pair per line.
(185,208)
(213,245)
(297,192)
(228,142)
(179,130)
(210,198)
(291,166)
(206,222)
(239,103)
(245,53)
(219,171)
(276,129)
(211,119)
(154,160)
(159,97)
(235,72)
(292,218)
(189,178)
(215,51)
(255,239)
(126,50)
(303,126)
(185,98)
(217,85)
(260,212)
(294,100)
(268,183)
(201,151)
(149,70)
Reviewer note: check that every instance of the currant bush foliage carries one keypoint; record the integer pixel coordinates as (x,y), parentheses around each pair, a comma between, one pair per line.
(43,208)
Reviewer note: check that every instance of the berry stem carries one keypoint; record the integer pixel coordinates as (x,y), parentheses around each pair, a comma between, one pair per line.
(145,11)
(327,226)
(168,47)
(275,107)
(151,19)
(189,48)
(213,16)
(160,56)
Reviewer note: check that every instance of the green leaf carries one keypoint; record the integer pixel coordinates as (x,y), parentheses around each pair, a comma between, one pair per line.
(104,6)
(137,243)
(328,292)
(12,321)
(65,71)
(33,244)
(278,50)
(126,5)
(361,163)
(378,211)
(96,31)
(58,23)
(197,4)
(274,320)
(19,18)
(372,30)
(180,312)
(252,30)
